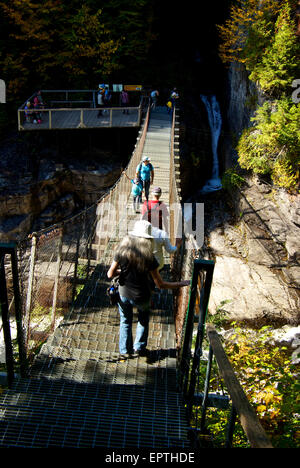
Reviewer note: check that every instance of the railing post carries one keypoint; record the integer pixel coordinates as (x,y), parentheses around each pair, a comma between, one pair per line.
(206,389)
(81,119)
(19,119)
(139,115)
(58,263)
(9,357)
(230,428)
(208,266)
(76,266)
(185,350)
(30,285)
(18,314)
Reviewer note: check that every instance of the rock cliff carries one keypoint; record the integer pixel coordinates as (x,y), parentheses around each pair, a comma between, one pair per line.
(254,239)
(37,191)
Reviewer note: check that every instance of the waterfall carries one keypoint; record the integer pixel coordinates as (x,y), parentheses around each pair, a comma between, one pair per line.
(215,122)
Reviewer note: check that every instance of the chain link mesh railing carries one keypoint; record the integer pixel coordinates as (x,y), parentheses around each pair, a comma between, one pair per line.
(55,262)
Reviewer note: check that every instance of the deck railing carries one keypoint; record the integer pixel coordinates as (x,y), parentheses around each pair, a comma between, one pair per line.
(77,109)
(192,383)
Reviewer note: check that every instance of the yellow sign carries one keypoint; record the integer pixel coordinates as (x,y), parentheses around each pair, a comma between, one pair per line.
(133,87)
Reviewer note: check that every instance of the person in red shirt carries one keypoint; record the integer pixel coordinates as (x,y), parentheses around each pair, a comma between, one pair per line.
(156,211)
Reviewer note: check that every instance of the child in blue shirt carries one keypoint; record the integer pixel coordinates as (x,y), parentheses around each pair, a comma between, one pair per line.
(136,192)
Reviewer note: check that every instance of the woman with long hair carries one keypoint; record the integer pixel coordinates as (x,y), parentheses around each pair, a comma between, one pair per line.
(135,262)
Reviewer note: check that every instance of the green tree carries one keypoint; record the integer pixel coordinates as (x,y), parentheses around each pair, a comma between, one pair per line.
(132,23)
(89,51)
(280,61)
(32,42)
(247,31)
(57,43)
(272,145)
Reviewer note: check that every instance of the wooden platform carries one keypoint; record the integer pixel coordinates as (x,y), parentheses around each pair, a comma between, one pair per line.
(53,119)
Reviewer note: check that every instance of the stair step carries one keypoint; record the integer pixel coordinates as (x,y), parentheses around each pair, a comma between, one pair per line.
(110,370)
(163,424)
(15,434)
(92,394)
(111,400)
(88,405)
(102,339)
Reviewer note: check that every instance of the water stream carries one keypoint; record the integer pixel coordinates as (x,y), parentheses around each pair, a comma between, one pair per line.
(215,122)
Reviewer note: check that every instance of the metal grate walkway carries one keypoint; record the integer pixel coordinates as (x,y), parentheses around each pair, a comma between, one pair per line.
(79,393)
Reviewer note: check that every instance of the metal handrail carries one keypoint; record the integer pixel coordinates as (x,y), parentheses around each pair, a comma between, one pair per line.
(189,363)
(67,91)
(200,295)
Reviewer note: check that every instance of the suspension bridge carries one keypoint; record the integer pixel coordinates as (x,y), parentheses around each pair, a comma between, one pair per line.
(77,391)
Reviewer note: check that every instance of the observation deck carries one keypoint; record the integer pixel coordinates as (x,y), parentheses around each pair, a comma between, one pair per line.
(77,109)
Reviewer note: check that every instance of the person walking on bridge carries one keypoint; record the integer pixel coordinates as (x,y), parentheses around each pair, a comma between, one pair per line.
(134,261)
(124,101)
(145,172)
(136,192)
(155,211)
(161,242)
(154,96)
(100,101)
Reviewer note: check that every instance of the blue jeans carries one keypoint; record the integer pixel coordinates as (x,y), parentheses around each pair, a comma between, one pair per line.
(126,315)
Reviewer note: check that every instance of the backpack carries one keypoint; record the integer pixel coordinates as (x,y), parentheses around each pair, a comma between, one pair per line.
(107,95)
(155,213)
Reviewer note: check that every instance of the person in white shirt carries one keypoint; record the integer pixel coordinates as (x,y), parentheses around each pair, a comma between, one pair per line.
(162,241)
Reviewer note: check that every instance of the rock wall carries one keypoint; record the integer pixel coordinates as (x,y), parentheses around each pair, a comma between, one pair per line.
(241,97)
(255,242)
(30,202)
(256,253)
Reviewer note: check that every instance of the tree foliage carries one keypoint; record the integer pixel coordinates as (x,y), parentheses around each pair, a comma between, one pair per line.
(247,31)
(280,60)
(56,43)
(89,49)
(261,34)
(269,381)
(272,144)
